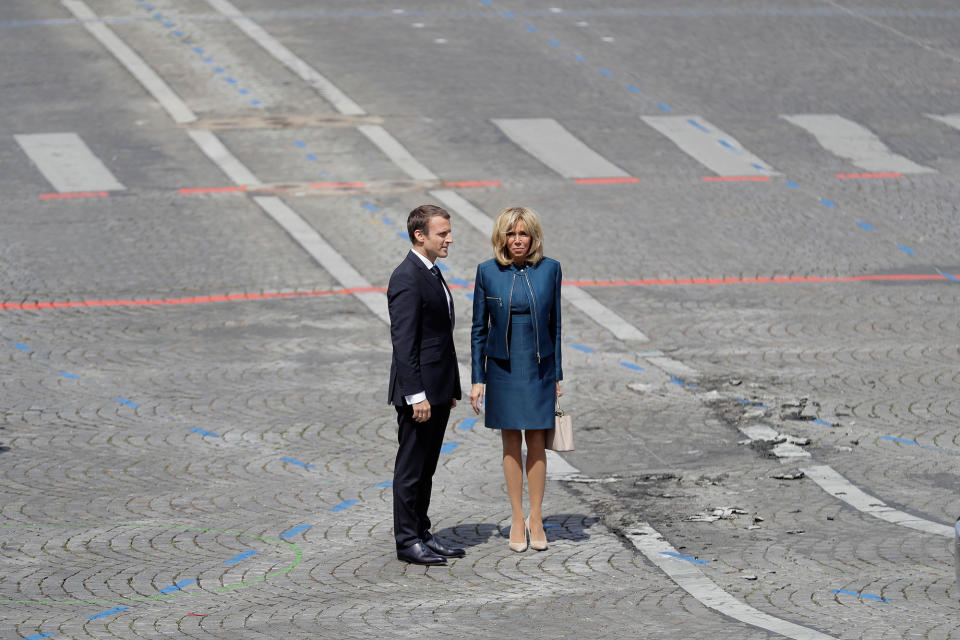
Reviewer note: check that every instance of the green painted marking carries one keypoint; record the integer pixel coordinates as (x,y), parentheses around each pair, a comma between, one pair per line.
(298,553)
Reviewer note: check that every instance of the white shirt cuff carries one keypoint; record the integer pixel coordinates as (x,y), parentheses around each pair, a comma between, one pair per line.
(415,398)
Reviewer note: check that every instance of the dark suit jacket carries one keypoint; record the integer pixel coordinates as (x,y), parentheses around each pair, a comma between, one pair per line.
(424,358)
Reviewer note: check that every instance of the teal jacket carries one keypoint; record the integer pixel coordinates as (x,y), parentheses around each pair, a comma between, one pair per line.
(492,295)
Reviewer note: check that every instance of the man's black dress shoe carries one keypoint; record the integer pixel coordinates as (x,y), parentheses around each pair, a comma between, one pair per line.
(441,549)
(418,553)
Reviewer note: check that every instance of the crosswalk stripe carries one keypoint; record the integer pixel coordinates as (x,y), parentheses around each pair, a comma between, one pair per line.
(67,162)
(856,143)
(951,119)
(547,141)
(710,146)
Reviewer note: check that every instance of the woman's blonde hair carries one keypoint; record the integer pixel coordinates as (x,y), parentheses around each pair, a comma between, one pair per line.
(507,220)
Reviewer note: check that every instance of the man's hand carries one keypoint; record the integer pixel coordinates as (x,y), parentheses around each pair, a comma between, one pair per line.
(421,411)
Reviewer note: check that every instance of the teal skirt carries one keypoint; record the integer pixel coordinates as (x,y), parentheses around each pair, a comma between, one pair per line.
(521,392)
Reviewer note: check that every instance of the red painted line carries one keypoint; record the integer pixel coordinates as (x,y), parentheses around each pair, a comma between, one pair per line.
(213,190)
(77,194)
(854,176)
(473,183)
(604,180)
(647,282)
(337,185)
(736,178)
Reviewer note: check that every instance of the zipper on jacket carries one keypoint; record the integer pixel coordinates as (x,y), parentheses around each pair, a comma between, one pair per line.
(536,325)
(509,309)
(500,300)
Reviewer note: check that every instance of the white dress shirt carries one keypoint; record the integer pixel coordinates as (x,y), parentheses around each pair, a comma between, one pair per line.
(421,396)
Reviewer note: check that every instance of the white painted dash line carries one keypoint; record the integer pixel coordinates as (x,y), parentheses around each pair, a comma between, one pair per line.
(140,70)
(685,572)
(950,119)
(839,487)
(340,101)
(214,149)
(397,153)
(550,143)
(715,149)
(854,142)
(67,162)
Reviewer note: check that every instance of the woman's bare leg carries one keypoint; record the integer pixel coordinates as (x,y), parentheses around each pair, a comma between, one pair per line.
(536,478)
(513,474)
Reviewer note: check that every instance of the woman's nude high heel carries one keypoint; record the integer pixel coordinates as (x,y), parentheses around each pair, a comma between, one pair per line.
(519,547)
(537,544)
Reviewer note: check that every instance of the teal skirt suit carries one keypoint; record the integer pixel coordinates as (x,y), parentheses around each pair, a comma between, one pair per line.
(515,342)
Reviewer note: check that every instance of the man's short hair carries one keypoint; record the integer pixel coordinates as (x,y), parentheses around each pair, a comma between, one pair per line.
(419,219)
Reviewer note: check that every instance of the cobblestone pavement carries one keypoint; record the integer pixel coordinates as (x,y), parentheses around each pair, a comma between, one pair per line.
(194,438)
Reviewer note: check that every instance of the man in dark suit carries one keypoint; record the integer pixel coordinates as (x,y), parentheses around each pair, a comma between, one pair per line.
(424,381)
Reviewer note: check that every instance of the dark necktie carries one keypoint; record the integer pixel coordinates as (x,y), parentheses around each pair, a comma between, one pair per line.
(435,270)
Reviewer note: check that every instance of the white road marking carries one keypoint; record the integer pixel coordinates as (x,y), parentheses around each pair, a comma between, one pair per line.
(671,366)
(392,148)
(715,149)
(67,162)
(558,468)
(308,74)
(152,82)
(854,142)
(211,145)
(476,218)
(547,141)
(950,119)
(692,580)
(839,487)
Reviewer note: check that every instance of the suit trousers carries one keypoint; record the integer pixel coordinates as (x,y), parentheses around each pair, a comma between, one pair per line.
(417,456)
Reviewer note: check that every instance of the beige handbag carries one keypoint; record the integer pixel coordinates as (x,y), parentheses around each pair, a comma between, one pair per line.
(560,438)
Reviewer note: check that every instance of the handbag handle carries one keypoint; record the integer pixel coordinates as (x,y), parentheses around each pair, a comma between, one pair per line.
(558,411)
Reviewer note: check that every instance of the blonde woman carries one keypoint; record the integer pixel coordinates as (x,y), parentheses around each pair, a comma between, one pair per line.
(515,352)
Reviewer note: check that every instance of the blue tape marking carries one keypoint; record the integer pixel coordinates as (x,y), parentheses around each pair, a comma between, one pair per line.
(724,143)
(828,203)
(168,24)
(20,346)
(147,7)
(69,375)
(865,225)
(208,59)
(759,405)
(580,347)
(823,422)
(948,276)
(127,402)
(902,440)
(38,636)
(604,72)
(402,234)
(553,43)
(449,446)
(530,27)
(240,557)
(204,433)
(346,504)
(467,424)
(487,2)
(256,103)
(198,50)
(244,92)
(630,87)
(742,400)
(630,365)
(218,69)
(289,533)
(694,123)
(906,250)
(678,381)
(312,157)
(178,586)
(757,166)
(460,282)
(442,266)
(231,80)
(178,33)
(674,554)
(470,295)
(386,220)
(868,596)
(384,484)
(509,14)
(108,612)
(298,463)
(158,15)
(369,207)
(792,184)
(300,143)
(664,107)
(579,58)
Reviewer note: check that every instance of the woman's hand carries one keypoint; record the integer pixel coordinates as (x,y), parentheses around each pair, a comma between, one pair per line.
(476,396)
(559,393)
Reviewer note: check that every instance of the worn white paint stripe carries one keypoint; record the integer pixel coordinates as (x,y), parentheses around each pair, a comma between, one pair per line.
(558,468)
(152,82)
(692,580)
(308,74)
(392,148)
(671,366)
(457,203)
(854,142)
(707,144)
(950,119)
(547,141)
(602,315)
(67,162)
(839,487)
(211,145)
